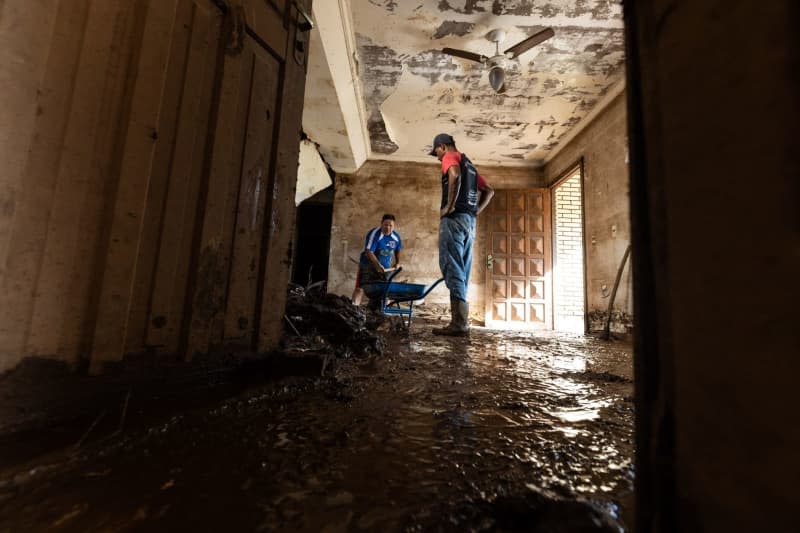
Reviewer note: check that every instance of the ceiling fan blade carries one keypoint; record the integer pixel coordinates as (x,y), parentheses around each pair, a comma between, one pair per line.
(523,46)
(465,55)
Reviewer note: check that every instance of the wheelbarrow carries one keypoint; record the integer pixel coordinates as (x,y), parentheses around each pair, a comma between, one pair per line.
(397,299)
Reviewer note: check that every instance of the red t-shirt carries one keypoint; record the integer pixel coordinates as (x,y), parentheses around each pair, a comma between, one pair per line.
(454,158)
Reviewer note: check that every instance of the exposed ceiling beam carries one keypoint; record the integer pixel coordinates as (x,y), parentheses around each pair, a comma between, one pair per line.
(336,33)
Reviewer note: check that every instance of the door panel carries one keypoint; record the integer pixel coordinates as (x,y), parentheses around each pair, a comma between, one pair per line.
(254,183)
(266,23)
(193,261)
(253,164)
(197,28)
(518,277)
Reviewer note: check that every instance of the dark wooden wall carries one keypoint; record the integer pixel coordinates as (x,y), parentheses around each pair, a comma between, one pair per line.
(154,211)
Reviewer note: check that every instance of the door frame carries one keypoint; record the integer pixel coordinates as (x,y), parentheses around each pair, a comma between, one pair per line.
(563,176)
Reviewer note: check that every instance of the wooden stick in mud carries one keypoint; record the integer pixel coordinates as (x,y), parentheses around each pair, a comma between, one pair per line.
(292,325)
(124,410)
(607,328)
(88,431)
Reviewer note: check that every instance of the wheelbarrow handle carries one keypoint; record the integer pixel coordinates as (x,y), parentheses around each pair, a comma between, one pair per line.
(429,289)
(396,272)
(388,283)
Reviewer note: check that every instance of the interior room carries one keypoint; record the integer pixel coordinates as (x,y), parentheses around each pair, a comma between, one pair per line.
(229,298)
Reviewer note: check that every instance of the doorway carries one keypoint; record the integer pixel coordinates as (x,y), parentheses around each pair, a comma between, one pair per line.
(569,298)
(312,238)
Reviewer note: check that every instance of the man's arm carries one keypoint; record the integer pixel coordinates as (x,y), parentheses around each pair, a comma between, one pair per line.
(397,258)
(370,245)
(374,260)
(487,192)
(454,182)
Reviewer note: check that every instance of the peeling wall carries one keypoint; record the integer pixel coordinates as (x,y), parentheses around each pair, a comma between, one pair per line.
(312,174)
(603,147)
(411,191)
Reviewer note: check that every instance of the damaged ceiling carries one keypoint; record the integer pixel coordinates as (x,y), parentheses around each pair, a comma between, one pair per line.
(379,87)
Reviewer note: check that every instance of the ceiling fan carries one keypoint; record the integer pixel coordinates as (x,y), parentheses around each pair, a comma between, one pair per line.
(496,63)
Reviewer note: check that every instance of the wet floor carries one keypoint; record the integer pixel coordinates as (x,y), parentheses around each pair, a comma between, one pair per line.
(428,436)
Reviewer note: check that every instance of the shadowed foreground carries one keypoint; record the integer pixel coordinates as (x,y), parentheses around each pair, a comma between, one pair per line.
(503,431)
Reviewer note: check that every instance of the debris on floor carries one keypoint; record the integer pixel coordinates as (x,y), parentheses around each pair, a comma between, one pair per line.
(328,323)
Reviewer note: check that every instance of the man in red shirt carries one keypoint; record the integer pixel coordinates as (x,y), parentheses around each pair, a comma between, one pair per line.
(464,195)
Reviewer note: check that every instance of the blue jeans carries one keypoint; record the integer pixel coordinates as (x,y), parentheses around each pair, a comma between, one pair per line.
(456,235)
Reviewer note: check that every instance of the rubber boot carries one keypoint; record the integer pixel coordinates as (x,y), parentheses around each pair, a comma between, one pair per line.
(445,330)
(463,317)
(459,327)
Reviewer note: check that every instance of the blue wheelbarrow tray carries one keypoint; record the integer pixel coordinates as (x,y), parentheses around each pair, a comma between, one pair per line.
(392,294)
(394,290)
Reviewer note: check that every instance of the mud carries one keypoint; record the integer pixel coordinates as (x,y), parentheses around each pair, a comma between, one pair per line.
(329,323)
(500,432)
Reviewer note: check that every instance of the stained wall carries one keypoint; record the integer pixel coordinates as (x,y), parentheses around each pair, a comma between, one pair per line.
(412,192)
(602,148)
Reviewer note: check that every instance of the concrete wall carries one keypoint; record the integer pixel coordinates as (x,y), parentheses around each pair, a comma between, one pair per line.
(602,146)
(120,127)
(412,192)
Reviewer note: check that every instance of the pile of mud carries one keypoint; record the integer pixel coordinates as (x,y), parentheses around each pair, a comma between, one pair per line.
(330,324)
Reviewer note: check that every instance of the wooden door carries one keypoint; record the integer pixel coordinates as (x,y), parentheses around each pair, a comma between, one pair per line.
(241,274)
(170,221)
(519,259)
(204,209)
(146,269)
(258,108)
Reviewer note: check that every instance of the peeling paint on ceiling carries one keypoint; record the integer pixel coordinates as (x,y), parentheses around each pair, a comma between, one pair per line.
(411,91)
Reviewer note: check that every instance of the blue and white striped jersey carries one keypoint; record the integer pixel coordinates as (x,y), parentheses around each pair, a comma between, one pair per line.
(383,246)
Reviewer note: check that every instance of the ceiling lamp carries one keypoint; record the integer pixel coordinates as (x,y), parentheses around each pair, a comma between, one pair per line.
(496,63)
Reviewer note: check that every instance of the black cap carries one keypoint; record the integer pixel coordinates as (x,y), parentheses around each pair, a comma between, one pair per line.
(442,138)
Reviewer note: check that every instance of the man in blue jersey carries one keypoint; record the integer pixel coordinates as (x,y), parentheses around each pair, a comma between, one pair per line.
(381,254)
(464,195)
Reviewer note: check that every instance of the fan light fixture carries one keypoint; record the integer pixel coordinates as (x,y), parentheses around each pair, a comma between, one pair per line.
(497,78)
(496,63)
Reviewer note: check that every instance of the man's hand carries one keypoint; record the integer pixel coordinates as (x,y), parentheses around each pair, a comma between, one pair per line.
(454,182)
(487,193)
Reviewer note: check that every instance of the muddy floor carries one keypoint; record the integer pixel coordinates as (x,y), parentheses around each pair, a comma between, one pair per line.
(436,434)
